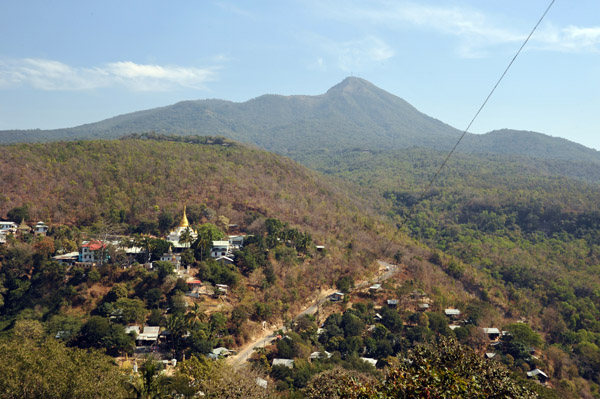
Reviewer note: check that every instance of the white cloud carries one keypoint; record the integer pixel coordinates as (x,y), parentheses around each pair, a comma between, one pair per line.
(476,31)
(353,55)
(569,39)
(51,75)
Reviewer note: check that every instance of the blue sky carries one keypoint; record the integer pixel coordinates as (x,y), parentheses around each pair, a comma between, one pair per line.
(65,63)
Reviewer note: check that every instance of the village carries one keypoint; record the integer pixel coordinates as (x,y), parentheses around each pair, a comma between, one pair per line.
(157,340)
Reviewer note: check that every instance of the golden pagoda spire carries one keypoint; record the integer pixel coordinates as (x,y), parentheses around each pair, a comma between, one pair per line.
(184,221)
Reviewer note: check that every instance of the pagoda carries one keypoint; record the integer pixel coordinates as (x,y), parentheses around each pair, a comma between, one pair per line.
(175,235)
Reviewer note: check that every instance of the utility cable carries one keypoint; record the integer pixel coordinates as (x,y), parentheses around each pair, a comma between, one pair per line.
(439,170)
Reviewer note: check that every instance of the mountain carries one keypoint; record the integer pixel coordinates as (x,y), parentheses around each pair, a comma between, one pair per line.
(352,114)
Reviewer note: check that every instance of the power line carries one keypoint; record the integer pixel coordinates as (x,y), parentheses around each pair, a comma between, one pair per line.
(439,170)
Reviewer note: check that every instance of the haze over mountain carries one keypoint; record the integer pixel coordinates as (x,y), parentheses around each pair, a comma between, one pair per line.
(352,114)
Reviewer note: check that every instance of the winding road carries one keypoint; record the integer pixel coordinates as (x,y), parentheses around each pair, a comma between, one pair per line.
(243,355)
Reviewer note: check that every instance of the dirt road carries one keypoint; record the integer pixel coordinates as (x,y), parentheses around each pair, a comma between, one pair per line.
(242,356)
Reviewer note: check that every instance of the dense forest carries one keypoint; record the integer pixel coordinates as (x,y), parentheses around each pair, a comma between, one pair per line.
(511,242)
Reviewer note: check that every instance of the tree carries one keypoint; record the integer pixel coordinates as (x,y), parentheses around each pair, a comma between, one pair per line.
(336,384)
(130,310)
(47,369)
(352,325)
(344,284)
(98,332)
(218,380)
(177,326)
(153,297)
(195,316)
(521,332)
(391,319)
(164,269)
(165,221)
(18,214)
(445,369)
(207,233)
(186,237)
(148,384)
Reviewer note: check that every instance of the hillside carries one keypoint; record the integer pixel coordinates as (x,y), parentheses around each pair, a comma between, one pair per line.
(488,246)
(84,181)
(352,114)
(531,225)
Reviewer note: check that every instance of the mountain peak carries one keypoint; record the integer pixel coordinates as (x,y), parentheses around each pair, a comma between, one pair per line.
(351,84)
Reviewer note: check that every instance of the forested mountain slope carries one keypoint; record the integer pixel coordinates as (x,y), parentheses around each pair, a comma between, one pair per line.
(500,243)
(352,114)
(524,222)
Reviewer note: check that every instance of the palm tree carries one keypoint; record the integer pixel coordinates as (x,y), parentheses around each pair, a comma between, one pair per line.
(195,316)
(186,237)
(148,384)
(177,326)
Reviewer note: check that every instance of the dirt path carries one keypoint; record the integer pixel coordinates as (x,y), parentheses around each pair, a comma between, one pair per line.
(268,335)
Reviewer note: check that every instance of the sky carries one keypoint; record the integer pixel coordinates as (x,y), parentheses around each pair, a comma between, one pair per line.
(66,63)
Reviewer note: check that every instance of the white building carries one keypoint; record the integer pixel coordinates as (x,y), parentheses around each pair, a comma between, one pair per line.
(220,248)
(40,228)
(8,227)
(93,252)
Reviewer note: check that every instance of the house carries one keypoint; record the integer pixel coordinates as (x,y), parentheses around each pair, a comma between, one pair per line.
(370,360)
(492,333)
(320,355)
(452,313)
(336,296)
(289,363)
(392,303)
(218,353)
(538,374)
(489,355)
(378,317)
(261,382)
(8,227)
(236,242)
(2,237)
(320,248)
(222,288)
(220,248)
(149,335)
(423,307)
(374,288)
(132,329)
(171,257)
(69,258)
(194,284)
(93,252)
(40,228)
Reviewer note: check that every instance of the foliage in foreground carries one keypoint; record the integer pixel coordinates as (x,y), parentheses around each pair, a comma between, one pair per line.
(47,369)
(443,370)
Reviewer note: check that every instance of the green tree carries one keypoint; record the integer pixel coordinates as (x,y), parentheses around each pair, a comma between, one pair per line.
(186,237)
(148,383)
(18,214)
(130,310)
(98,332)
(165,221)
(47,369)
(207,233)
